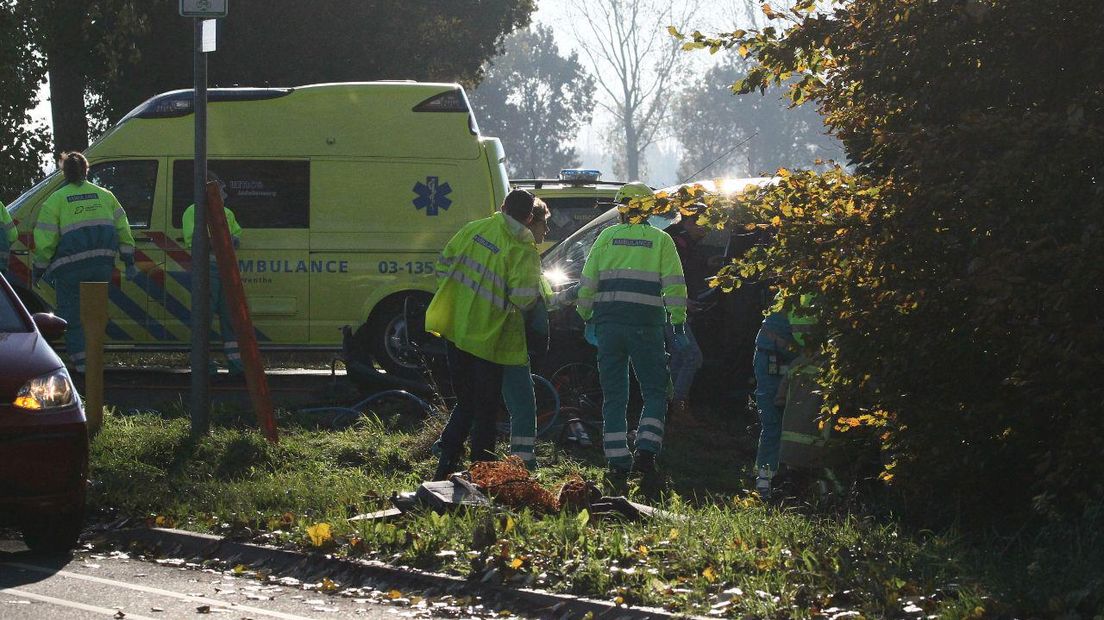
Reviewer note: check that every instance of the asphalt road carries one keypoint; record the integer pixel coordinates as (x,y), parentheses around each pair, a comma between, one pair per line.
(113,585)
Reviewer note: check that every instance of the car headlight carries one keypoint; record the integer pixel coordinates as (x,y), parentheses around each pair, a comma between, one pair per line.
(556,276)
(46,392)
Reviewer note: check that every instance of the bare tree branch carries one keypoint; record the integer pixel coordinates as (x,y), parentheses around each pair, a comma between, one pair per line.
(635,61)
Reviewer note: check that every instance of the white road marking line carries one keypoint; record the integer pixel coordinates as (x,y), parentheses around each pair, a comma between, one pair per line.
(72,604)
(202,600)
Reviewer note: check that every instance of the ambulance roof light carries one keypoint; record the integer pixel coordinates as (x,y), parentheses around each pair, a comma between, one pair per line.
(580,175)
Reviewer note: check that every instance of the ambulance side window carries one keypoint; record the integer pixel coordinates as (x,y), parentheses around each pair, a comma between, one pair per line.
(133,182)
(262,193)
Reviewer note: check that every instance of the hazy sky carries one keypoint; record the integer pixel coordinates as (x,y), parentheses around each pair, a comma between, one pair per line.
(712,15)
(557,14)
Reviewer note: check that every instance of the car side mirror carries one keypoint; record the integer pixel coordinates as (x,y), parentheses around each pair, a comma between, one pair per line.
(51,325)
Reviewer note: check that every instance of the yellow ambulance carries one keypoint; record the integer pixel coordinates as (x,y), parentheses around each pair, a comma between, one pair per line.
(346,193)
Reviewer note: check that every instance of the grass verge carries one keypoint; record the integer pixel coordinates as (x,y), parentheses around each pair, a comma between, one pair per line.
(728,556)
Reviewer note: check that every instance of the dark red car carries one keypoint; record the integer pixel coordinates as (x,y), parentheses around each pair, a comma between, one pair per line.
(43,433)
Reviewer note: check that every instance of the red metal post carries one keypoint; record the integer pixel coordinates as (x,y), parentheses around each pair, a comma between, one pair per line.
(239,313)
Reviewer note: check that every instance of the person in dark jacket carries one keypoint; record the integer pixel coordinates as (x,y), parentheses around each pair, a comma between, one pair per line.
(687,360)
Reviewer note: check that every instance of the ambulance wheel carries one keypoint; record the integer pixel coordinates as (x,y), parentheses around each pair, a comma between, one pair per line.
(390,343)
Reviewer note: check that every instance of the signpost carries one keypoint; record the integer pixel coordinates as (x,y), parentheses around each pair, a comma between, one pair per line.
(200,403)
(203,8)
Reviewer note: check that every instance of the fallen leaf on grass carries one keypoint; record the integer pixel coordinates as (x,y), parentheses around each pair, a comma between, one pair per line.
(319,534)
(709,574)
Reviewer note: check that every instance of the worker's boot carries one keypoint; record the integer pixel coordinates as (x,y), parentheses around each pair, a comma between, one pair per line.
(445,467)
(616,480)
(763,483)
(644,462)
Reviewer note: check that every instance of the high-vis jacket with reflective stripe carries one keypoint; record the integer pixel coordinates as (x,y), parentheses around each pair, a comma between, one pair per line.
(487,275)
(633,276)
(188,225)
(79,225)
(8,235)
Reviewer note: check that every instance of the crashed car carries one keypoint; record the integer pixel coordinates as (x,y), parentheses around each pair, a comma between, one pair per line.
(725,323)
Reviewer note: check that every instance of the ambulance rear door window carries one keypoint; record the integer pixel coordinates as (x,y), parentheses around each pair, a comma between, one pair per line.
(133,182)
(262,193)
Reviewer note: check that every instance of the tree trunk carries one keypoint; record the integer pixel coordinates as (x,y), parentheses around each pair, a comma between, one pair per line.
(67,85)
(63,46)
(632,152)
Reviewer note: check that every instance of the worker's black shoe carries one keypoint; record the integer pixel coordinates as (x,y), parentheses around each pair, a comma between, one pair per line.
(644,462)
(763,488)
(444,468)
(617,480)
(616,472)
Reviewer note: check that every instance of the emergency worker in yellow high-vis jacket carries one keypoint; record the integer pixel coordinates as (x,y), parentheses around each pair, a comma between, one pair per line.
(631,282)
(219,306)
(79,231)
(487,276)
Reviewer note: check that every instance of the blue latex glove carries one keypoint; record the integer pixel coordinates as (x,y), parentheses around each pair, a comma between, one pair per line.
(570,293)
(680,340)
(591,334)
(131,272)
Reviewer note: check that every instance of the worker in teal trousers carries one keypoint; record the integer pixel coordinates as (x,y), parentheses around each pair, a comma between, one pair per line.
(80,231)
(517,381)
(631,282)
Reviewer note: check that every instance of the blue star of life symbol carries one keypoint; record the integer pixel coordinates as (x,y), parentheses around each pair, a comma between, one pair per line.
(432,196)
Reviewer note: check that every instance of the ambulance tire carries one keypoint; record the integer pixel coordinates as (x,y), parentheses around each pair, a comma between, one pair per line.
(386,331)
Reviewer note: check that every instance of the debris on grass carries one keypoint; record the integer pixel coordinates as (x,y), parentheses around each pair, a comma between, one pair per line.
(509,483)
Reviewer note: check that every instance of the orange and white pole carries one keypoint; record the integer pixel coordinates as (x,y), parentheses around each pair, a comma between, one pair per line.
(255,378)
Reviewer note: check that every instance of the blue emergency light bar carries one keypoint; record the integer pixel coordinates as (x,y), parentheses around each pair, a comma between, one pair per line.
(580,175)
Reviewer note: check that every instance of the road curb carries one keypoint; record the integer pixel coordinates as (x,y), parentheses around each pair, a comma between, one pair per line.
(313,567)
